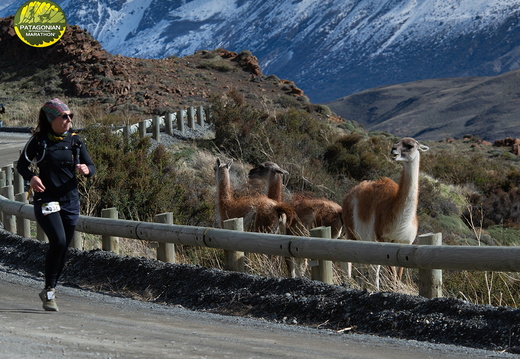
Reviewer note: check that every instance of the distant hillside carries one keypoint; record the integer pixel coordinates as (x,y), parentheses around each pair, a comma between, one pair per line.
(488,107)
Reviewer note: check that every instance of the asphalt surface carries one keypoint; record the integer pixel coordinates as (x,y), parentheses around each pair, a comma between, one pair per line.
(97,325)
(11,145)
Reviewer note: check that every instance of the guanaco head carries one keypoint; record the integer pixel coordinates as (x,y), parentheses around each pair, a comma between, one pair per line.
(263,170)
(407,149)
(224,165)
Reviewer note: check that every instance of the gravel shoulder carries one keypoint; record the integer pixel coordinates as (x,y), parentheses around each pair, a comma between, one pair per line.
(298,301)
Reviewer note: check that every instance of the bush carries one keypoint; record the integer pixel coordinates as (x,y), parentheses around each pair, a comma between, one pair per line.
(138,179)
(234,122)
(216,63)
(487,174)
(360,158)
(287,101)
(436,199)
(254,136)
(293,139)
(497,207)
(466,169)
(505,236)
(324,110)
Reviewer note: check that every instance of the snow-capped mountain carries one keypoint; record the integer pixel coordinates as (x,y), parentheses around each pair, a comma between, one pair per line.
(330,48)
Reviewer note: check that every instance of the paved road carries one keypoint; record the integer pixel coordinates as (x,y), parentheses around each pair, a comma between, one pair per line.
(96,325)
(10,146)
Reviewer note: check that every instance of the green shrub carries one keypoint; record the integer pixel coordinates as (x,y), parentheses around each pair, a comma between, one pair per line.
(324,110)
(351,127)
(250,134)
(360,158)
(139,180)
(292,138)
(455,224)
(486,173)
(287,101)
(504,235)
(437,199)
(495,207)
(216,63)
(466,169)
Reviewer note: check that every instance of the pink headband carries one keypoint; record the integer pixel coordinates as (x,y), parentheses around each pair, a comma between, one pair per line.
(53,108)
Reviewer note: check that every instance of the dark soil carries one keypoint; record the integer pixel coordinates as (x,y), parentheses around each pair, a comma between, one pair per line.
(293,301)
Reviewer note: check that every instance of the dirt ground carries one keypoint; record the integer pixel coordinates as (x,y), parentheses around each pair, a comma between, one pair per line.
(280,300)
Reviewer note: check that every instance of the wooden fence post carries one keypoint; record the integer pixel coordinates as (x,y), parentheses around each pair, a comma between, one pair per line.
(234,260)
(169,124)
(191,117)
(2,185)
(180,121)
(165,251)
(430,280)
(77,240)
(156,127)
(200,116)
(23,226)
(142,129)
(110,243)
(126,132)
(321,269)
(8,170)
(40,234)
(8,219)
(207,112)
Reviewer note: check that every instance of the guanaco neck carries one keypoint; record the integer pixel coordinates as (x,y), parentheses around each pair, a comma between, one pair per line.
(225,193)
(274,188)
(408,193)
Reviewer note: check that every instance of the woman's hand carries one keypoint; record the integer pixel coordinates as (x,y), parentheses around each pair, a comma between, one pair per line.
(36,184)
(83,169)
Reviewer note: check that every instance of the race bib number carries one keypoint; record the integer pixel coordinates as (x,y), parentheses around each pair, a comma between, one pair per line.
(51,207)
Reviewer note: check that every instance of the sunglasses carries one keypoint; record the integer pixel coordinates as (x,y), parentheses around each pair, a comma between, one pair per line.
(65,116)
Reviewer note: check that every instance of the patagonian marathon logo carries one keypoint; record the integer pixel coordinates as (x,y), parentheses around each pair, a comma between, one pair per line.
(40,23)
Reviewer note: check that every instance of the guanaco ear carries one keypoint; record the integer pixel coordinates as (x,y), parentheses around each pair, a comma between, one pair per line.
(280,170)
(423,148)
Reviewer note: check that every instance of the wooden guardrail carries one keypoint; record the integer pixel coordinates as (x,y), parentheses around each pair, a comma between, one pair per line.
(178,120)
(429,259)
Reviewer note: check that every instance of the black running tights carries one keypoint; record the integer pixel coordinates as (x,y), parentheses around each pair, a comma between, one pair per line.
(59,228)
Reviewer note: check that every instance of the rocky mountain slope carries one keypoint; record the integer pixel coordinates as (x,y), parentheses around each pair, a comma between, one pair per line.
(330,48)
(78,67)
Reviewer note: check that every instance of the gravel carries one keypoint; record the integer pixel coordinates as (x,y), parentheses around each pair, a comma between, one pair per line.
(292,301)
